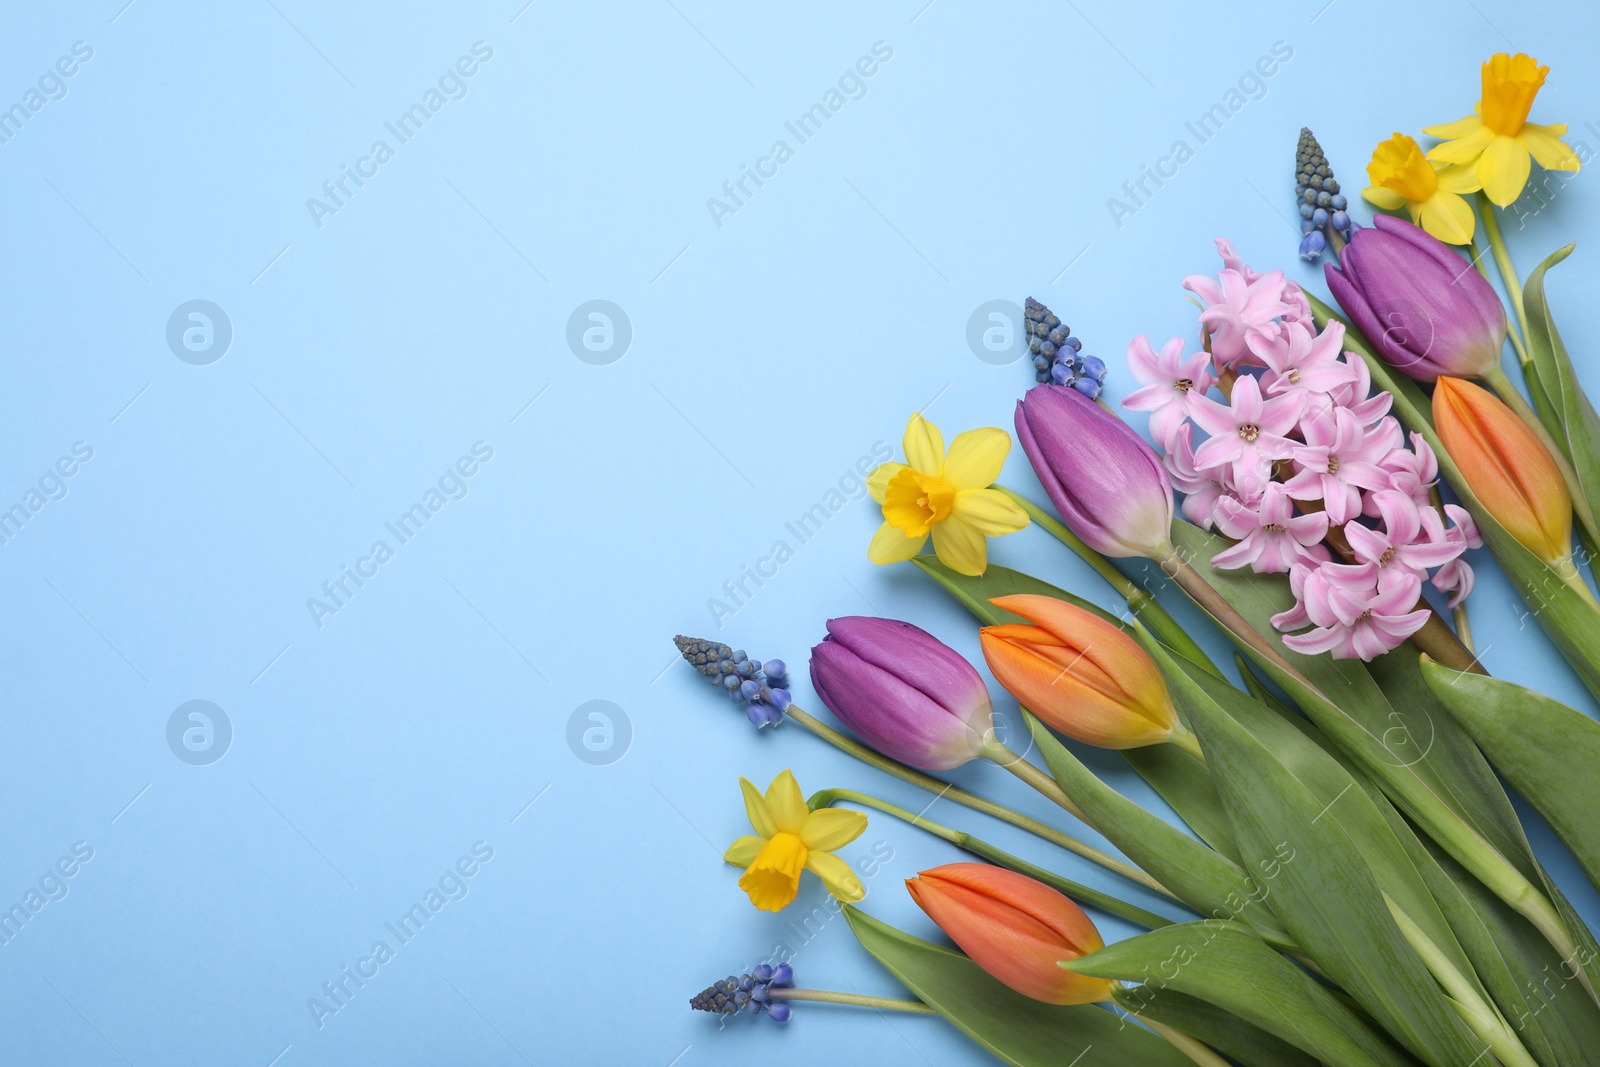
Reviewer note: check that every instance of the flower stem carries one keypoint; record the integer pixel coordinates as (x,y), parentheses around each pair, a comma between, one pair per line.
(1140,600)
(1046,786)
(914,1007)
(1508,273)
(984,850)
(1480,1016)
(1197,1051)
(976,803)
(1508,392)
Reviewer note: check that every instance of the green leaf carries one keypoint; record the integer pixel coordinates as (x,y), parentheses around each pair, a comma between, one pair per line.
(1019,1031)
(1209,882)
(1227,1033)
(1316,879)
(1179,779)
(1579,427)
(1549,752)
(1226,965)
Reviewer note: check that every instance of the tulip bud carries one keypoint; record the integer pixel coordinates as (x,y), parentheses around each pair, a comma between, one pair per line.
(1426,311)
(1506,466)
(1109,487)
(903,691)
(1080,674)
(1013,927)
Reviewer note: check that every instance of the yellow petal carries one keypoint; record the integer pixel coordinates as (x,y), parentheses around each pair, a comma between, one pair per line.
(1503,169)
(961,547)
(743,852)
(989,511)
(976,457)
(1453,179)
(755,809)
(1456,129)
(878,481)
(924,445)
(773,877)
(1463,150)
(829,828)
(1448,217)
(1547,146)
(1387,199)
(889,545)
(786,804)
(837,876)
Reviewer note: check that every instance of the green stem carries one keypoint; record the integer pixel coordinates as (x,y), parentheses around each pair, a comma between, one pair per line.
(1508,392)
(1508,273)
(1479,1015)
(984,850)
(1197,1051)
(976,803)
(1011,760)
(859,1000)
(1140,600)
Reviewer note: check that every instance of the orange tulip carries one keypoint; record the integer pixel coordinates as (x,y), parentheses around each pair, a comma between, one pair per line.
(1082,675)
(1013,927)
(1505,466)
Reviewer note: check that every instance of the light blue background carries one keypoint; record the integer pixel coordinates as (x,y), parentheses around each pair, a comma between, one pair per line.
(769,355)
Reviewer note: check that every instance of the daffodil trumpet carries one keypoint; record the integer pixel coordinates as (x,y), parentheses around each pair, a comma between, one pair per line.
(984,850)
(790,838)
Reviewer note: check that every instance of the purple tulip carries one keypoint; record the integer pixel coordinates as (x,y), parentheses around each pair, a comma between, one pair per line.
(903,691)
(1425,310)
(1108,486)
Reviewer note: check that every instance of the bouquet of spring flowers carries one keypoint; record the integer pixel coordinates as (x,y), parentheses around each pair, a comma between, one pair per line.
(1336,893)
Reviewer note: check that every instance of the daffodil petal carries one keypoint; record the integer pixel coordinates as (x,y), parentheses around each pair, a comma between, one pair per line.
(742,853)
(1503,168)
(786,804)
(961,547)
(924,445)
(976,457)
(837,876)
(1456,179)
(890,545)
(878,481)
(1547,146)
(1387,199)
(1454,130)
(1449,218)
(1464,150)
(829,828)
(755,808)
(989,511)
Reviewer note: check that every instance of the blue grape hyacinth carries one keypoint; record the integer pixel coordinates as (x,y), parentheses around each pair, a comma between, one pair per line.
(1057,356)
(763,688)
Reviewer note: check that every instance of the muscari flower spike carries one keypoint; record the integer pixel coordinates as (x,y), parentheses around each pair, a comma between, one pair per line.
(1317,193)
(751,993)
(1057,356)
(762,687)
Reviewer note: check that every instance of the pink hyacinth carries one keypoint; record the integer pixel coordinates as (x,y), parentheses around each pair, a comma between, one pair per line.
(1169,379)
(1301,446)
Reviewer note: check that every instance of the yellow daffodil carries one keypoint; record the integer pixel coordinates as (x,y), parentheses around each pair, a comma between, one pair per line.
(1403,177)
(1497,140)
(945,495)
(790,838)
